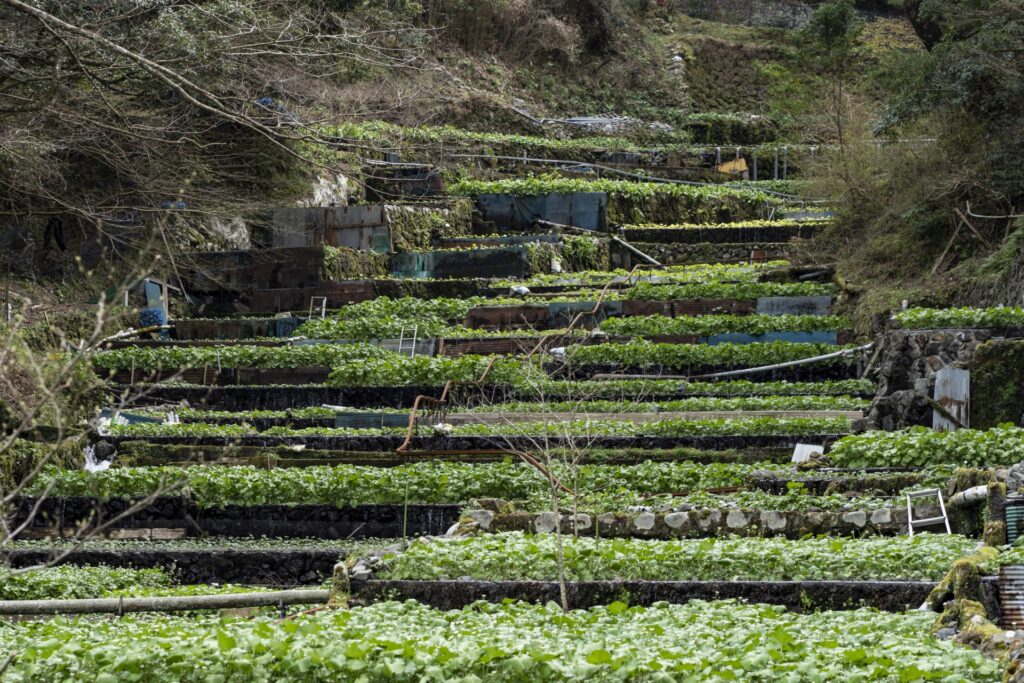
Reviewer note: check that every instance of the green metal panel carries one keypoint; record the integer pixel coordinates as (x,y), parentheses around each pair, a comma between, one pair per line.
(1014,515)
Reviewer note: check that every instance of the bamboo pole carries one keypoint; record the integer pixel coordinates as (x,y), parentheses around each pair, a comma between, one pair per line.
(164,604)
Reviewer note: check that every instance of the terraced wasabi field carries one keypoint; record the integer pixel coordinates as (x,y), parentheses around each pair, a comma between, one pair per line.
(583,474)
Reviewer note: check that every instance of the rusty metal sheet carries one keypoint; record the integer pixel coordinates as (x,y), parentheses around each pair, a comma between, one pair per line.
(527,316)
(632,307)
(953,393)
(684,307)
(500,346)
(338,292)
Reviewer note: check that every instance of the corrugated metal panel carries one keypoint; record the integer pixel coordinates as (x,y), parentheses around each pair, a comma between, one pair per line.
(586,210)
(952,392)
(1014,516)
(1011,596)
(363,227)
(794,305)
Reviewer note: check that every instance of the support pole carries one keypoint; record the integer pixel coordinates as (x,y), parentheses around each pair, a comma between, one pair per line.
(164,604)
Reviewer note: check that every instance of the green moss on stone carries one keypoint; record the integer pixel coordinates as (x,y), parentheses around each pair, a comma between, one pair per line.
(997,383)
(963,582)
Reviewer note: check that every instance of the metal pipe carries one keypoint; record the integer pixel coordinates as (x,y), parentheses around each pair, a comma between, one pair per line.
(745,371)
(164,604)
(630,247)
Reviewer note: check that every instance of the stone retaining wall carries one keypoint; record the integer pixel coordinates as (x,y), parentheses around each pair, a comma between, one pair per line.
(681,254)
(905,368)
(703,522)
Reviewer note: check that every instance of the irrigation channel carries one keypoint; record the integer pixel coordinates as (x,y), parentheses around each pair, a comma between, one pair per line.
(521,416)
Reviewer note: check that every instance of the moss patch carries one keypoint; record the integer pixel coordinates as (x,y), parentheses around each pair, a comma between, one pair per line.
(342,263)
(963,582)
(413,228)
(997,383)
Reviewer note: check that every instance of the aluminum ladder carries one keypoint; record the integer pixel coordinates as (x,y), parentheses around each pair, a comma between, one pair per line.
(927,521)
(318,303)
(407,340)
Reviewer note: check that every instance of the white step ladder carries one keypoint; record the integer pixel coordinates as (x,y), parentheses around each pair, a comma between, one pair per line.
(318,303)
(407,340)
(928,521)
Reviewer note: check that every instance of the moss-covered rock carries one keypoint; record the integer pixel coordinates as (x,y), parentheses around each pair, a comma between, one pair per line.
(963,581)
(995,533)
(413,228)
(997,383)
(343,263)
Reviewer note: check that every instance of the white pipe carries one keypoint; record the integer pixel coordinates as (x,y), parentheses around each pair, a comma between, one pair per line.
(971,496)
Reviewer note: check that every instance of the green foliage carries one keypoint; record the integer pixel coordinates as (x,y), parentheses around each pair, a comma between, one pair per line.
(930,318)
(755,426)
(342,263)
(534,185)
(783,223)
(653,389)
(518,557)
(237,356)
(829,42)
(708,325)
(641,353)
(640,202)
(385,318)
(498,143)
(649,405)
(739,291)
(68,582)
(997,383)
(399,370)
(701,273)
(920,446)
(514,642)
(420,483)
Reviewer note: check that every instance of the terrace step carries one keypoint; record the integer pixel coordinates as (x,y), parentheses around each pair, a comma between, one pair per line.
(264,397)
(501,418)
(282,568)
(147,453)
(171,518)
(428,446)
(798,596)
